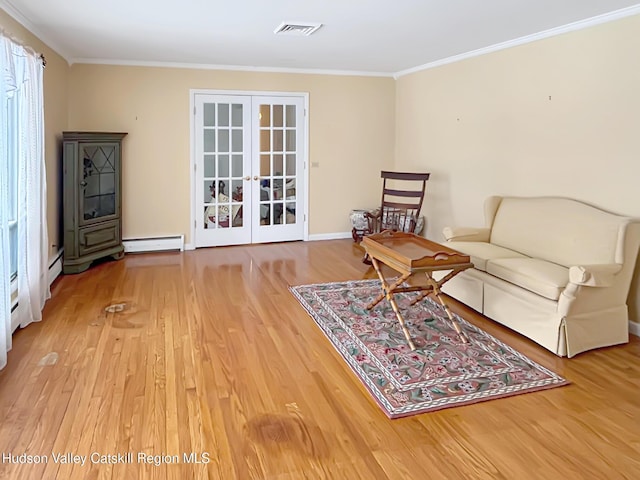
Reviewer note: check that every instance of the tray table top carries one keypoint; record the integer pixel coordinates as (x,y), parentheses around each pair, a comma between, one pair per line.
(412,252)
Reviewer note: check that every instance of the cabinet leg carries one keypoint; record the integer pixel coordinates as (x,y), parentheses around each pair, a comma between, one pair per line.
(75,268)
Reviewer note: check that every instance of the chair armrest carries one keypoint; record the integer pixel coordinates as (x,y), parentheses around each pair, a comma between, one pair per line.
(594,275)
(466,234)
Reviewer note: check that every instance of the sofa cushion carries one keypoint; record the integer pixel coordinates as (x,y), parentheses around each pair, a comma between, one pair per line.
(481,252)
(538,276)
(560,230)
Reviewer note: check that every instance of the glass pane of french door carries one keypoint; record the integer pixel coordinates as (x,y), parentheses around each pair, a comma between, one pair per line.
(223,167)
(277,160)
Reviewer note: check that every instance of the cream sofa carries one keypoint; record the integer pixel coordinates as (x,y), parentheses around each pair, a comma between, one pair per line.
(553,269)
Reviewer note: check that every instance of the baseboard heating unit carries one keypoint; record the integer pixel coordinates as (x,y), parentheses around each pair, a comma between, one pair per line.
(154,244)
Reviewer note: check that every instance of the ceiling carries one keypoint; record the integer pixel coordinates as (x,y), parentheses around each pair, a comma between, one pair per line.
(377,37)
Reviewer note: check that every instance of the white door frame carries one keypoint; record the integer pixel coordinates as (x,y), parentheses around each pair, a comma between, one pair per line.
(192,145)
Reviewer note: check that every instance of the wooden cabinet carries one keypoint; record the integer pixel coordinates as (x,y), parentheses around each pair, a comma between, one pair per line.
(92,200)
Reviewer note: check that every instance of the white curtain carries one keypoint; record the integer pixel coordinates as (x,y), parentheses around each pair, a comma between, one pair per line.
(23,127)
(5,285)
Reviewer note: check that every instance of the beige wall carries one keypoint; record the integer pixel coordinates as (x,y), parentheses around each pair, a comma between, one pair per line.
(560,116)
(55,119)
(351,137)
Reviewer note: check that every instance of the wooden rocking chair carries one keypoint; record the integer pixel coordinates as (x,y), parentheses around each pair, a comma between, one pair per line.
(402,198)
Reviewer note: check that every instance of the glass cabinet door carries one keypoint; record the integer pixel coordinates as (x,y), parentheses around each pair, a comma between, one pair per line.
(98,181)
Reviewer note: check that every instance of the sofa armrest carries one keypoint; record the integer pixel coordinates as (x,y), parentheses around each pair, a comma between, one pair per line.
(594,275)
(466,234)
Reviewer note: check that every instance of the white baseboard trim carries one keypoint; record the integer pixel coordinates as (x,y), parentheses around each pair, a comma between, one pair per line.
(55,268)
(189,246)
(634,328)
(155,244)
(330,236)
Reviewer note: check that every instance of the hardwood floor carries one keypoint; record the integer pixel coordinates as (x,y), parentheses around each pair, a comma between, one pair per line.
(208,353)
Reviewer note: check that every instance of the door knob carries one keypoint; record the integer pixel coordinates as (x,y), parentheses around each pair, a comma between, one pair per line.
(255,177)
(248,177)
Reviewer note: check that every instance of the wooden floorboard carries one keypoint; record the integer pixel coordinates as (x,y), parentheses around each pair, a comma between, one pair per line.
(208,354)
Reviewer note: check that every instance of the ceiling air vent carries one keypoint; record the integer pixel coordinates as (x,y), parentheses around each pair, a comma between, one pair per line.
(297,28)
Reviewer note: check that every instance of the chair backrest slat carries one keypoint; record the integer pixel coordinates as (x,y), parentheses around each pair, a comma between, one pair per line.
(403,193)
(405,175)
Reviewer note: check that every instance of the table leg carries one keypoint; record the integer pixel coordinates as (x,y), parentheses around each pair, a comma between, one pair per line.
(387,291)
(454,322)
(420,296)
(426,292)
(385,287)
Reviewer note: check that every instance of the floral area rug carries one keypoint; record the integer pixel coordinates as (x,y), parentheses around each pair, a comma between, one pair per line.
(442,372)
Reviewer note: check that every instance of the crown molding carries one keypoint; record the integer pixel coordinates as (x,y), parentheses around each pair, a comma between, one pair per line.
(552,32)
(241,68)
(19,17)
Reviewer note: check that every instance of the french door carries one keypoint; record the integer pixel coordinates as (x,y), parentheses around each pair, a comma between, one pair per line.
(249,169)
